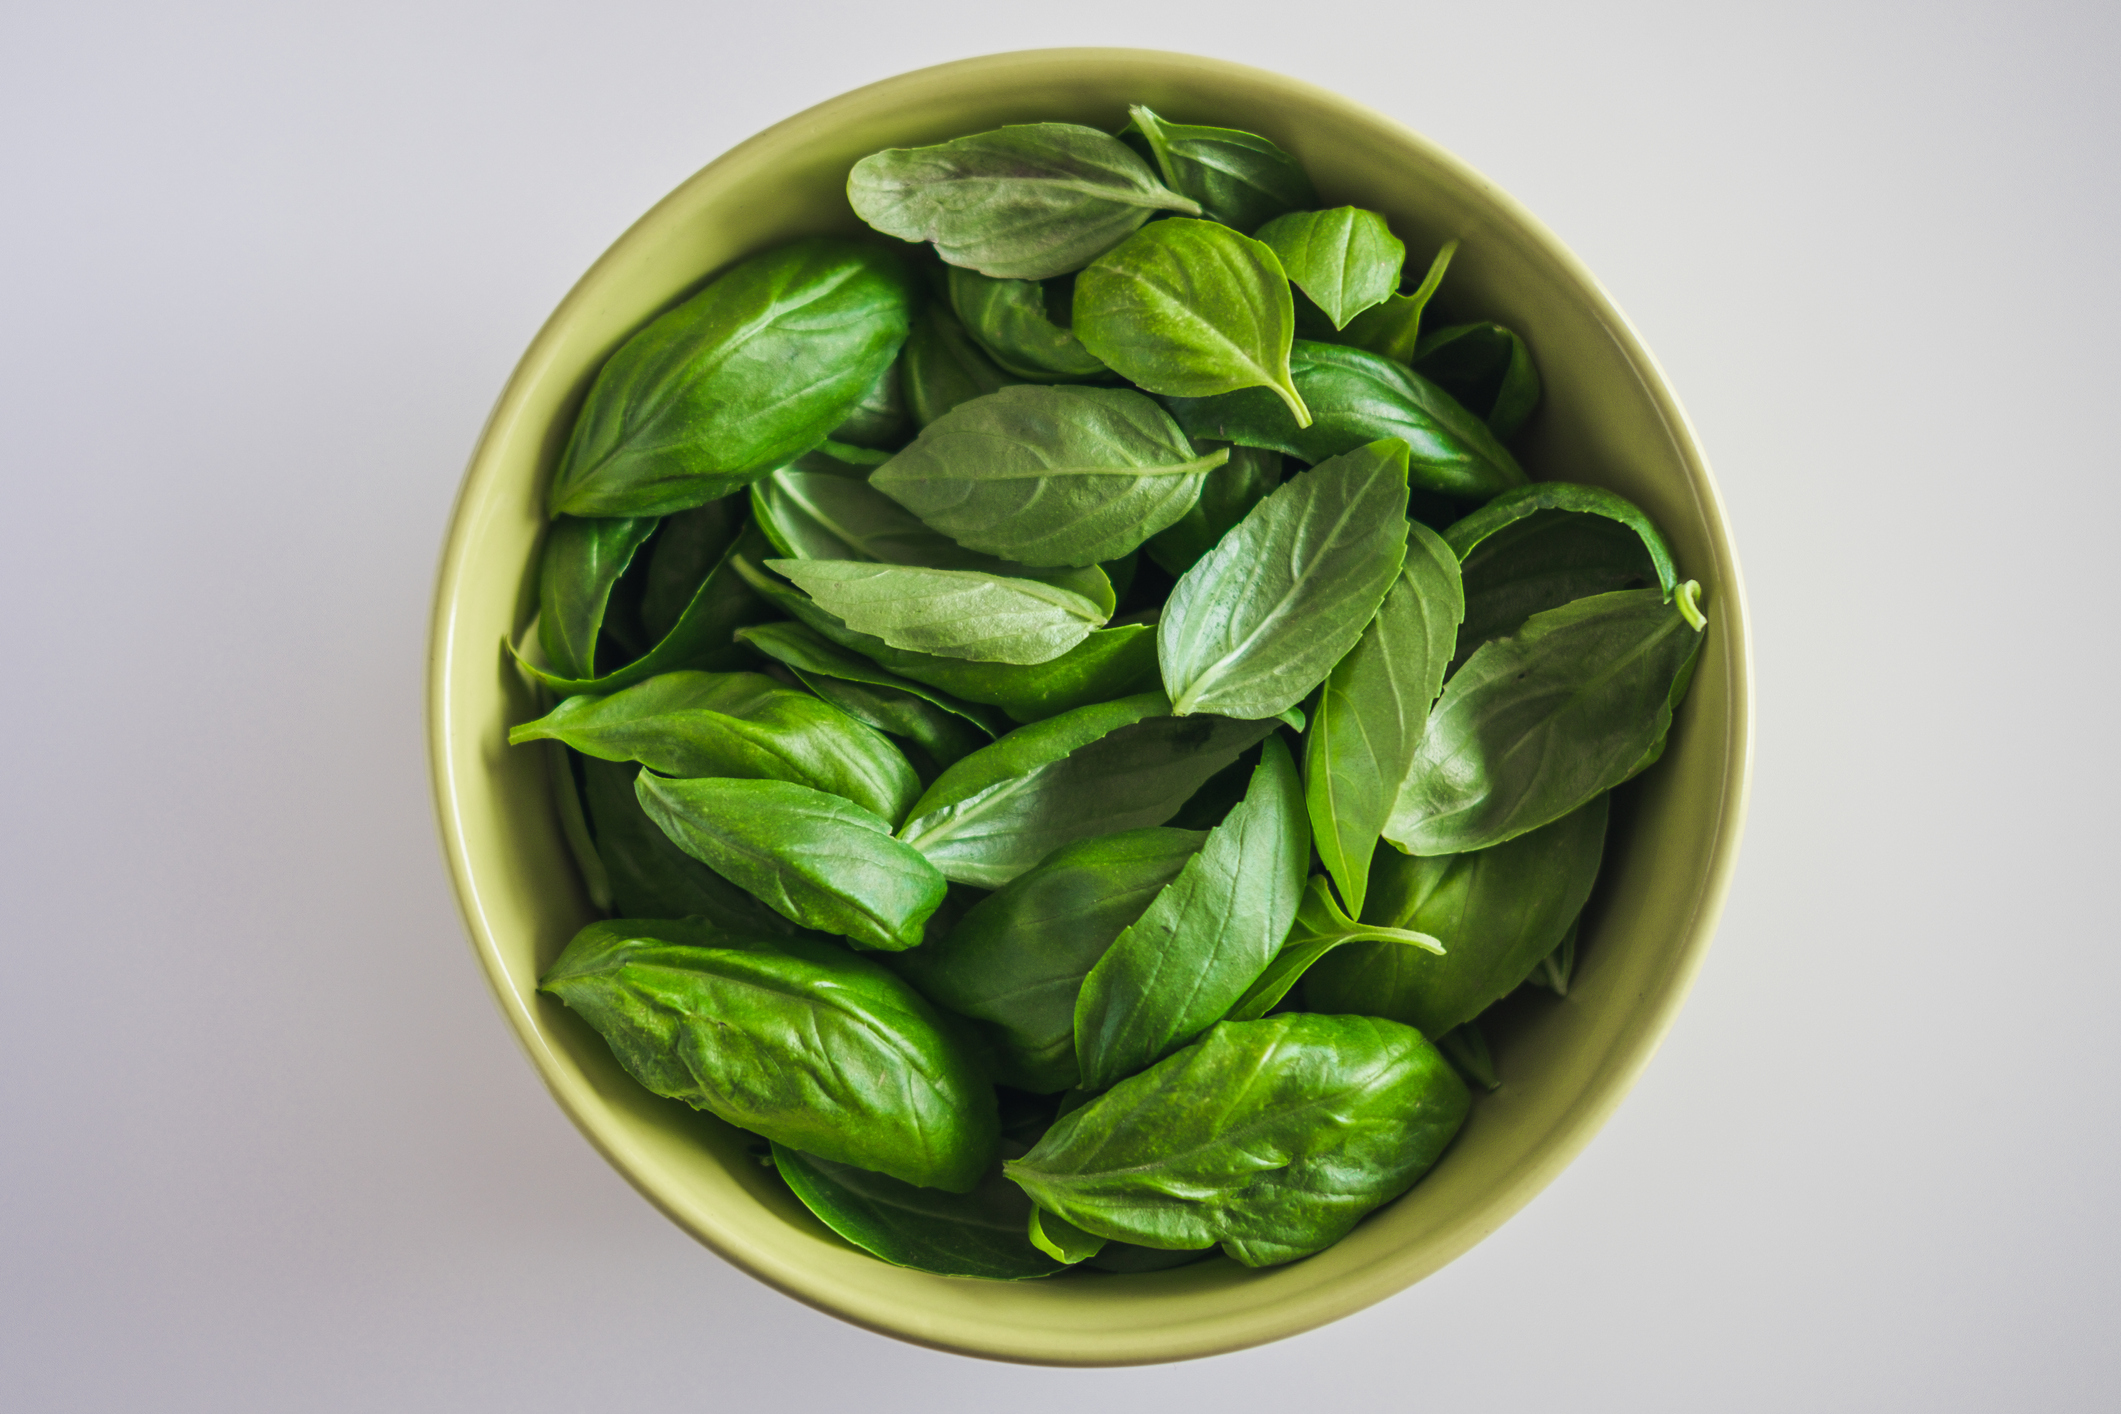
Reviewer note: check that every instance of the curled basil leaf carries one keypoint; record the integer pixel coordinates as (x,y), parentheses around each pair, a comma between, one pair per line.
(1050,476)
(1535,725)
(1271,1137)
(791,1038)
(1358,397)
(1320,927)
(1393,328)
(1262,618)
(686,548)
(1226,497)
(735,724)
(1022,202)
(1008,319)
(581,561)
(943,367)
(1373,708)
(1487,368)
(1192,309)
(1016,960)
(764,362)
(1212,930)
(1541,562)
(1345,259)
(817,860)
(1465,536)
(976,1234)
(1112,766)
(936,722)
(1239,178)
(1497,912)
(1062,1240)
(971,614)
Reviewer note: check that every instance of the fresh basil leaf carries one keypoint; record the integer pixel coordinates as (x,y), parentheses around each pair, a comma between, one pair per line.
(1239,178)
(1345,259)
(650,876)
(812,513)
(1321,926)
(1015,961)
(1373,707)
(1226,496)
(943,367)
(1264,616)
(742,725)
(1022,202)
(816,859)
(766,361)
(879,419)
(1050,475)
(1095,770)
(701,638)
(1191,309)
(1358,397)
(1487,368)
(1008,319)
(686,548)
(1178,968)
(581,561)
(792,1038)
(574,826)
(1465,536)
(1062,1240)
(1272,1137)
(1497,912)
(1465,1047)
(1558,968)
(975,1234)
(1110,663)
(1393,328)
(1535,725)
(1127,1257)
(972,614)
(937,723)
(1545,560)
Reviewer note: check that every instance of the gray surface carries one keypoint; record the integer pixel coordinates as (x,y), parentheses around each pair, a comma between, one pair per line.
(267,1144)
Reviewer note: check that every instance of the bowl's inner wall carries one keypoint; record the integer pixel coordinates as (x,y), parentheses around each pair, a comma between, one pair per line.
(1605,419)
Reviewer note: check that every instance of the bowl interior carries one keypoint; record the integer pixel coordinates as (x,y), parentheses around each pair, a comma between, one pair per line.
(1606,419)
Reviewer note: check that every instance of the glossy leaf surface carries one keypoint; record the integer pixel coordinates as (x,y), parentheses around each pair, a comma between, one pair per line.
(1345,259)
(792,1038)
(1497,912)
(1271,1137)
(1541,562)
(816,859)
(1372,710)
(976,1234)
(766,361)
(1022,202)
(1191,309)
(686,549)
(1062,1240)
(1467,535)
(1264,616)
(650,876)
(581,562)
(1239,178)
(936,722)
(1393,328)
(1227,495)
(1205,938)
(1008,320)
(972,614)
(1358,397)
(1488,368)
(1537,724)
(1321,926)
(1050,475)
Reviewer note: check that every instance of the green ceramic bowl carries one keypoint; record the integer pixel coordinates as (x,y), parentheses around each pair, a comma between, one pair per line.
(1608,419)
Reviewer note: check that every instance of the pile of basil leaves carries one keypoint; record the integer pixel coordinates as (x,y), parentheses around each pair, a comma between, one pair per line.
(1066,729)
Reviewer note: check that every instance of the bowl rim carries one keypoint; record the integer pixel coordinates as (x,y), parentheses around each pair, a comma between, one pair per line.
(1652,1016)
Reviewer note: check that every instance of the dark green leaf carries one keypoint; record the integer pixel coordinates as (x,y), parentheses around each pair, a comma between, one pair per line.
(1359,397)
(1062,1240)
(1127,1257)
(1497,912)
(1264,616)
(879,419)
(735,724)
(1487,368)
(1546,560)
(1050,475)
(1008,319)
(1239,178)
(1465,536)
(650,876)
(971,614)
(1535,725)
(764,362)
(811,512)
(1467,1049)
(816,859)
(1178,968)
(792,1038)
(1558,968)
(1393,328)
(701,638)
(1345,259)
(1191,309)
(976,1234)
(582,560)
(1226,497)
(939,724)
(943,367)
(684,552)
(1092,771)
(1321,926)
(1022,202)
(1373,707)
(574,826)
(1272,1137)
(1016,960)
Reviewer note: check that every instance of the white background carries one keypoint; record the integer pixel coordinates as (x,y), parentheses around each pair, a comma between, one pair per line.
(265,1143)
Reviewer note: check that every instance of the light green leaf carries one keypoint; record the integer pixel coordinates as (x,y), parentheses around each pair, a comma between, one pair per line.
(1008,319)
(1239,178)
(1321,926)
(1393,328)
(938,723)
(971,614)
(1062,1240)
(1345,259)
